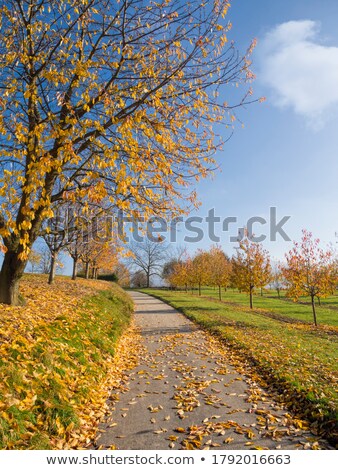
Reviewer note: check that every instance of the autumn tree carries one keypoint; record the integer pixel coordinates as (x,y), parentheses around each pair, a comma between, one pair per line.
(182,273)
(107,100)
(91,240)
(277,278)
(86,256)
(220,269)
(201,269)
(123,274)
(251,267)
(310,270)
(80,235)
(57,234)
(172,268)
(169,271)
(104,257)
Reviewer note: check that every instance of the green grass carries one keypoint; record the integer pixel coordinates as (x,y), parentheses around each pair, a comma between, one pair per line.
(59,371)
(327,312)
(300,360)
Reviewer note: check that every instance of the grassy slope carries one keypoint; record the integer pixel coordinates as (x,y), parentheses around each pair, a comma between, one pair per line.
(53,374)
(301,361)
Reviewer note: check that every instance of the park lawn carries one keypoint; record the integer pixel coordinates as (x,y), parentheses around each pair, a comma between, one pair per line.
(327,312)
(300,360)
(57,361)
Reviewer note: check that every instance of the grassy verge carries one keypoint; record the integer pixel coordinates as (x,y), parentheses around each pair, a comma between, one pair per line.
(327,312)
(54,374)
(298,360)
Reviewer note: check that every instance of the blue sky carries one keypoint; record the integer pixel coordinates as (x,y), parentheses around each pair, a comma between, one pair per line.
(286,155)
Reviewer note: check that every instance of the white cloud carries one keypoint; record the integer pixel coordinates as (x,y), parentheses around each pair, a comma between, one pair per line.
(302,72)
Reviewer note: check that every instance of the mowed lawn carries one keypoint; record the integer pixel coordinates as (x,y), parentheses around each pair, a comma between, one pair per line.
(327,311)
(299,359)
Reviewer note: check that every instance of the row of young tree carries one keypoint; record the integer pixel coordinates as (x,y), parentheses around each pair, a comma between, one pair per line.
(308,270)
(91,242)
(84,239)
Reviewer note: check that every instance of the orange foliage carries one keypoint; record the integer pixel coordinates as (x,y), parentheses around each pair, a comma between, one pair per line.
(251,267)
(310,270)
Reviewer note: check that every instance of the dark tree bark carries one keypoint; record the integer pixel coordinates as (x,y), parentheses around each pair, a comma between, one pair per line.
(52,268)
(11,272)
(220,292)
(314,309)
(251,304)
(74,274)
(87,270)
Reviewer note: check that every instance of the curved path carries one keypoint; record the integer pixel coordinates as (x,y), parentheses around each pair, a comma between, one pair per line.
(185,395)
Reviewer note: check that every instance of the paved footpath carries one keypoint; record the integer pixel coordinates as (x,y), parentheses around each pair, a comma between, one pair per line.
(185,395)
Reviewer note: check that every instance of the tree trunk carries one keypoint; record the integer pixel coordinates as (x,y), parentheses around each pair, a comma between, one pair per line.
(74,274)
(199,289)
(10,275)
(148,279)
(220,292)
(318,298)
(87,271)
(278,293)
(251,306)
(261,291)
(52,268)
(314,309)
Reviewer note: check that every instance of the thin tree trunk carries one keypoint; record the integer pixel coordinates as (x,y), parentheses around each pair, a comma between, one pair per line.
(148,279)
(314,309)
(251,305)
(52,268)
(87,270)
(278,292)
(261,291)
(74,274)
(318,298)
(10,275)
(220,292)
(199,289)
